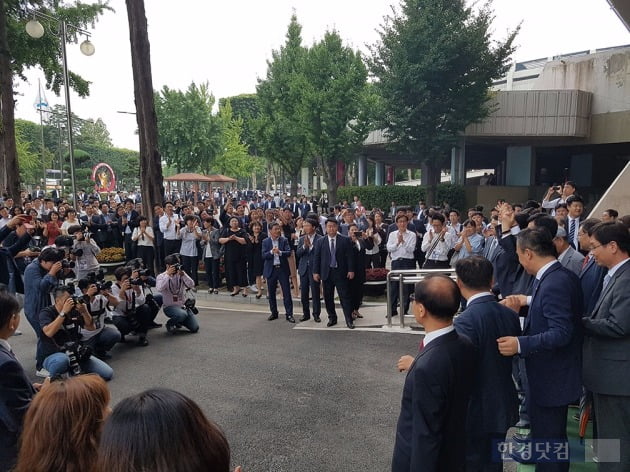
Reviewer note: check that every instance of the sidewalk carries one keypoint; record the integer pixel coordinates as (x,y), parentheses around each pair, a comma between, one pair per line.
(373,309)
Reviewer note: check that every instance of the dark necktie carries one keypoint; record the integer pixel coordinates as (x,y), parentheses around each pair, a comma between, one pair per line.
(333,256)
(572,233)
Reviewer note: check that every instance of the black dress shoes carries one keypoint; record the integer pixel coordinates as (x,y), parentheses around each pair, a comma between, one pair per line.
(305,318)
(317,319)
(290,319)
(272,317)
(350,324)
(331,323)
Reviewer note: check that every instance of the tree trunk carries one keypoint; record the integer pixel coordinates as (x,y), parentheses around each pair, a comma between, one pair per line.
(433,170)
(294,182)
(330,177)
(10,168)
(151,179)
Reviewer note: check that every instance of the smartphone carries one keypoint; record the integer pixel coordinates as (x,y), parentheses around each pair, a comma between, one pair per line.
(358,234)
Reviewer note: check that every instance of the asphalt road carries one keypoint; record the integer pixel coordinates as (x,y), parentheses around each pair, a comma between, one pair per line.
(288,400)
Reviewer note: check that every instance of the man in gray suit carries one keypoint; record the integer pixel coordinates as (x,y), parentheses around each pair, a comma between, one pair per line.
(567,256)
(606,348)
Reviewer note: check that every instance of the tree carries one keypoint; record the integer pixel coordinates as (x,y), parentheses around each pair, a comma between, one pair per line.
(282,129)
(93,132)
(245,107)
(18,51)
(336,89)
(434,65)
(234,160)
(189,135)
(151,181)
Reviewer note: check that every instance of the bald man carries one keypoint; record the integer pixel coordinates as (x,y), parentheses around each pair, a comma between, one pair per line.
(431,428)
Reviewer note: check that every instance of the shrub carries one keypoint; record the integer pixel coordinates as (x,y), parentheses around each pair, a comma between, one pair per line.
(373,196)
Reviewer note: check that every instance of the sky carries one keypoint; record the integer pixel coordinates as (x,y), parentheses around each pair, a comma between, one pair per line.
(228,43)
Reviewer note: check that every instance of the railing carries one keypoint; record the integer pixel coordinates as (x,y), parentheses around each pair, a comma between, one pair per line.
(408,276)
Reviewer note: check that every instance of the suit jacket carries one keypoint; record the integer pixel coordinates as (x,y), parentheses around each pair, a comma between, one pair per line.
(607,338)
(7,258)
(572,260)
(494,403)
(16,392)
(591,278)
(343,254)
(552,339)
(285,253)
(509,273)
(305,255)
(431,428)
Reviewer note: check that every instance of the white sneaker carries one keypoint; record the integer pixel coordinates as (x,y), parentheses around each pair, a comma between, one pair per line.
(43,373)
(253,289)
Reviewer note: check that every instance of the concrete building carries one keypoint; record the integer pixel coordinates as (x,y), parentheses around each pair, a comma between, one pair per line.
(561,118)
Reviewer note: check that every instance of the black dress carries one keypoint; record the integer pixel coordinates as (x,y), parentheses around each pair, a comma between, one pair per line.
(235,258)
(254,258)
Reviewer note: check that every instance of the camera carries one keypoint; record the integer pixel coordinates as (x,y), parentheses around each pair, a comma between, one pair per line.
(98,279)
(76,353)
(134,322)
(66,264)
(78,300)
(137,281)
(177,266)
(358,234)
(189,304)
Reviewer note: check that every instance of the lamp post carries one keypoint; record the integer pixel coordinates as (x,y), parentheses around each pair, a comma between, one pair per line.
(35,30)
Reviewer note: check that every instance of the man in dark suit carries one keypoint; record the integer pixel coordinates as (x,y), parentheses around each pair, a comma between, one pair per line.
(306,255)
(128,223)
(16,391)
(10,274)
(575,205)
(334,266)
(550,345)
(493,406)
(591,274)
(607,344)
(431,428)
(275,253)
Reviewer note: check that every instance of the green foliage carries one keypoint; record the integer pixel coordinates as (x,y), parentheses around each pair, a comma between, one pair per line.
(435,63)
(30,161)
(373,196)
(189,135)
(94,132)
(336,90)
(245,107)
(282,129)
(45,52)
(234,160)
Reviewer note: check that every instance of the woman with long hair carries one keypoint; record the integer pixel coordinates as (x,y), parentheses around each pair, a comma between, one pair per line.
(144,236)
(161,430)
(63,425)
(254,256)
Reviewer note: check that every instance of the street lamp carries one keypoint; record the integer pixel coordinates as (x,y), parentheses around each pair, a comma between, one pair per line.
(35,30)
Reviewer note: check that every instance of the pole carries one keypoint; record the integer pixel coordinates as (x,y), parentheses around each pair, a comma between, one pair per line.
(66,86)
(60,160)
(41,125)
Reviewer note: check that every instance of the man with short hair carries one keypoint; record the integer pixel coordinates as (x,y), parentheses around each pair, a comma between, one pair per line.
(275,253)
(173,284)
(401,245)
(550,344)
(610,215)
(306,255)
(431,429)
(607,344)
(567,256)
(169,224)
(575,205)
(437,243)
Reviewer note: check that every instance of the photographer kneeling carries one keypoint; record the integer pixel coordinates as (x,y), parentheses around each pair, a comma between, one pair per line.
(61,325)
(132,312)
(173,284)
(97,296)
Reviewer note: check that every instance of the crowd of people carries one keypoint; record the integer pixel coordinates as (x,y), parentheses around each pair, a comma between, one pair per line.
(540,263)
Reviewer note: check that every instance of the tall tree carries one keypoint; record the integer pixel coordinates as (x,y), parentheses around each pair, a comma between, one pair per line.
(336,89)
(18,51)
(151,181)
(434,66)
(94,132)
(245,107)
(189,134)
(282,129)
(234,160)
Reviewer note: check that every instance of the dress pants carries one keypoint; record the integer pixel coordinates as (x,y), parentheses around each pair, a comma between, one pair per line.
(171,246)
(339,280)
(307,284)
(548,424)
(613,422)
(129,248)
(279,276)
(401,264)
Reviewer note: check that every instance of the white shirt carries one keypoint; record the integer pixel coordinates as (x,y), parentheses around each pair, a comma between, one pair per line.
(433,335)
(478,295)
(402,250)
(440,253)
(169,232)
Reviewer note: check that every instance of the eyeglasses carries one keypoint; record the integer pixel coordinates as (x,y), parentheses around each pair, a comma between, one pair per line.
(598,246)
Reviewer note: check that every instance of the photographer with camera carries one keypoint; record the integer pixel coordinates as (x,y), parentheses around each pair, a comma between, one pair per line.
(173,284)
(84,250)
(132,314)
(97,295)
(61,325)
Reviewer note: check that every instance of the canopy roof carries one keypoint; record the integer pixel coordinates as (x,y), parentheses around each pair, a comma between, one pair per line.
(192,177)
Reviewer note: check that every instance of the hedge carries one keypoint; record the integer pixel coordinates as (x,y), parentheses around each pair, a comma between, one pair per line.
(373,196)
